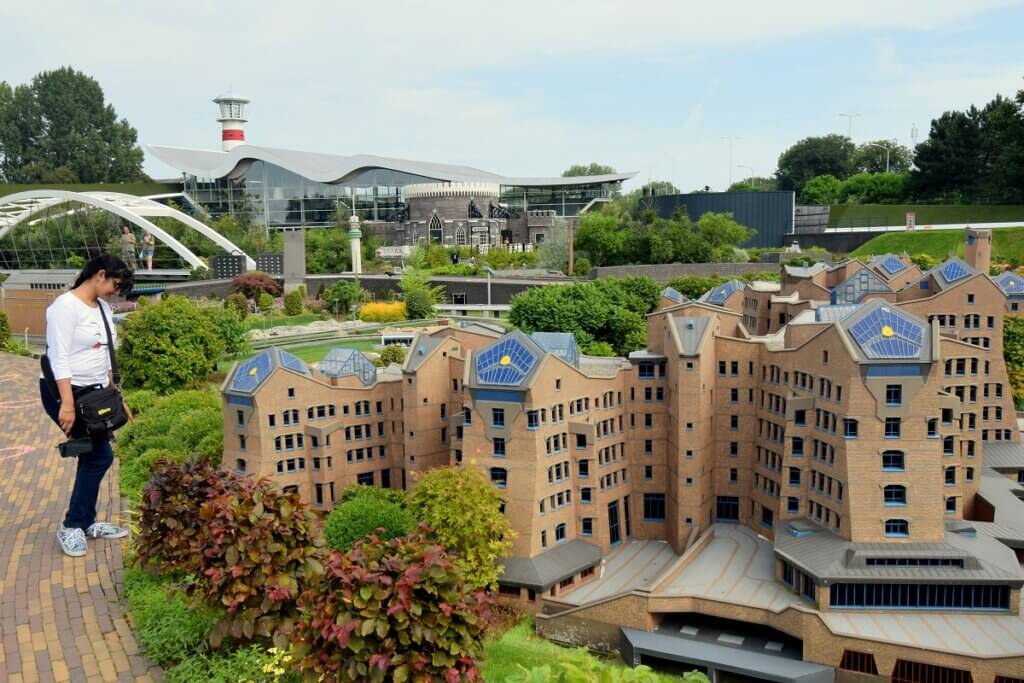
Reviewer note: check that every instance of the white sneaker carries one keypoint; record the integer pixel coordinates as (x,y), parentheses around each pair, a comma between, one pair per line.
(72,541)
(105,530)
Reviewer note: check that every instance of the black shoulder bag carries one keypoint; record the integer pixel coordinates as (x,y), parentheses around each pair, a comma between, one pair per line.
(102,410)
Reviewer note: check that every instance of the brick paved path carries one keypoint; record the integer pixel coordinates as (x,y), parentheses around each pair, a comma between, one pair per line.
(60,619)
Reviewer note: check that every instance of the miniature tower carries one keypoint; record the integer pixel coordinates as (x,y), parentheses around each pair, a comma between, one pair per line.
(232,120)
(355,236)
(978,250)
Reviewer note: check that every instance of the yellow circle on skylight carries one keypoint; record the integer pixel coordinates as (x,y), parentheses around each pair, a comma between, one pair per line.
(887,331)
(252,373)
(506,360)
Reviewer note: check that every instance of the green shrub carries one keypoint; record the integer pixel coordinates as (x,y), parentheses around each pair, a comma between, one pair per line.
(169,628)
(265,302)
(229,328)
(463,511)
(392,610)
(255,283)
(350,493)
(140,400)
(599,348)
(581,266)
(252,664)
(293,303)
(168,346)
(238,303)
(185,424)
(357,519)
(249,546)
(5,328)
(392,353)
(16,347)
(76,261)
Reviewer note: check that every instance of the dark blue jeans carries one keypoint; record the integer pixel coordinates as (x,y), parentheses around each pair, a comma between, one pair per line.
(91,468)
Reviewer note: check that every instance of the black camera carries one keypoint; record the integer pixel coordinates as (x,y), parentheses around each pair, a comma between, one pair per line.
(72,448)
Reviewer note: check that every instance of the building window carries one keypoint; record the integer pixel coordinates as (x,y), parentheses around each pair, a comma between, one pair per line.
(800,418)
(240,416)
(581,441)
(646,370)
(969,474)
(794,476)
(892,427)
(850,428)
(648,420)
(241,442)
(291,392)
(436,230)
(532,419)
(733,475)
(654,507)
(543,538)
(585,494)
(499,477)
(920,596)
(892,461)
(862,662)
(727,508)
(364,478)
(895,495)
(792,505)
(893,394)
(240,465)
(897,528)
(648,446)
(587,526)
(767,517)
(583,468)
(951,476)
(798,445)
(498,417)
(499,447)
(272,420)
(951,504)
(648,472)
(560,533)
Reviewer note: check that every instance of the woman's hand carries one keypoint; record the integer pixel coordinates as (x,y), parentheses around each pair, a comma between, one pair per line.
(128,412)
(66,417)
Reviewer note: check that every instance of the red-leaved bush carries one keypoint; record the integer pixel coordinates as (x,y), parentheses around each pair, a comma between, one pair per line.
(396,610)
(254,283)
(250,548)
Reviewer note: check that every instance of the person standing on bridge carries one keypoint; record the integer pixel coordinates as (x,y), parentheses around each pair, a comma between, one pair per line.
(148,248)
(77,341)
(128,247)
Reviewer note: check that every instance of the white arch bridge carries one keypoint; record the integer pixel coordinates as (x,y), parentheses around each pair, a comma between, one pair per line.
(23,206)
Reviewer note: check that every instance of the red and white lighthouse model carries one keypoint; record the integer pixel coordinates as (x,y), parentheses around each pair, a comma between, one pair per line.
(232,120)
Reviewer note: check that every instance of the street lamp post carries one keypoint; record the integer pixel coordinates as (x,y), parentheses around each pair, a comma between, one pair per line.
(730,138)
(887,149)
(489,271)
(849,124)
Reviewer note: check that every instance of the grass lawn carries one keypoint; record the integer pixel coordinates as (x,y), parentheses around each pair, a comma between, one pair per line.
(1007,244)
(877,215)
(311,353)
(260,323)
(520,645)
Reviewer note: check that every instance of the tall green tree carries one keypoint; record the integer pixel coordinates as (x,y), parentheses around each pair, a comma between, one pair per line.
(420,296)
(59,128)
(814,156)
(601,236)
(870,157)
(973,155)
(822,190)
(593,168)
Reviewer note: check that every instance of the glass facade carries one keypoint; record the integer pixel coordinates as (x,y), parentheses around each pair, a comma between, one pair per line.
(275,197)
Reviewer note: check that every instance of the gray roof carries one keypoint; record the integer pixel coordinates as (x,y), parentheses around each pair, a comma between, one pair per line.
(737,660)
(420,350)
(691,333)
(832,313)
(805,271)
(53,279)
(335,168)
(825,555)
(1004,454)
(551,566)
(938,272)
(1011,283)
(485,329)
(1004,495)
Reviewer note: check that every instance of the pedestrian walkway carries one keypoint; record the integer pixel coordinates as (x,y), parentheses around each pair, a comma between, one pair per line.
(60,619)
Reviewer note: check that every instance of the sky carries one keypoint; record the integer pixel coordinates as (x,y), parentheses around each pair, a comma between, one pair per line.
(660,87)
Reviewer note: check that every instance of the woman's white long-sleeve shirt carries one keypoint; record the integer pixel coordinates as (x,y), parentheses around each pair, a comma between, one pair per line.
(76,341)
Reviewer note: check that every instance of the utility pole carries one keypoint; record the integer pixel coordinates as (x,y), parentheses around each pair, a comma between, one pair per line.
(849,124)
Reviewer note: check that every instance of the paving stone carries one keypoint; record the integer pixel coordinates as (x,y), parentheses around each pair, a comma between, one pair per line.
(60,619)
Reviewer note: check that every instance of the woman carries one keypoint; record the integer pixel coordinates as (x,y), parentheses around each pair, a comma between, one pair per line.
(76,346)
(128,246)
(148,247)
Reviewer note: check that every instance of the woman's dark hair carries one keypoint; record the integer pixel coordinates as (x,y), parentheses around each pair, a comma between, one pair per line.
(113,267)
